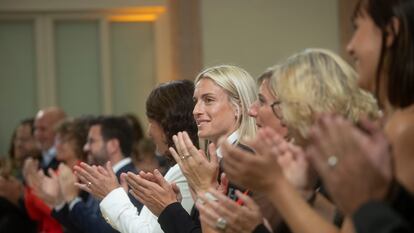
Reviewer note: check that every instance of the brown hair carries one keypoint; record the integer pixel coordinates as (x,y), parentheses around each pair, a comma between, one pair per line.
(171,105)
(75,130)
(398,60)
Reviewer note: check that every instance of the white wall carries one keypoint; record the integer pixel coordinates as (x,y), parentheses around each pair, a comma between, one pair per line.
(257,34)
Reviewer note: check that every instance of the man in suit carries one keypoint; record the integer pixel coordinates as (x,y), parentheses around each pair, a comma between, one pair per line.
(45,121)
(109,139)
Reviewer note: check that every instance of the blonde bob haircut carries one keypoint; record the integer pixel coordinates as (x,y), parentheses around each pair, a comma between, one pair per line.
(241,91)
(318,81)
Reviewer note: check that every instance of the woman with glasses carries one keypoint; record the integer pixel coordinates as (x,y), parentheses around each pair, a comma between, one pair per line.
(308,83)
(265,110)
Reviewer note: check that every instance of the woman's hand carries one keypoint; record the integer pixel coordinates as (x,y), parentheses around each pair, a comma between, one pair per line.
(259,172)
(49,190)
(223,214)
(355,166)
(67,182)
(201,173)
(30,168)
(152,190)
(296,168)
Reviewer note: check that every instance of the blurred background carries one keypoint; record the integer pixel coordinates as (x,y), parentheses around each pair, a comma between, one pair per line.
(105,56)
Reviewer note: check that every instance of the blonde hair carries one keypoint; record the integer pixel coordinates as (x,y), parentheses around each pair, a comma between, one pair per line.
(318,81)
(241,90)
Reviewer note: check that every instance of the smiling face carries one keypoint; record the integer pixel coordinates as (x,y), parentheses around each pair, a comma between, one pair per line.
(365,47)
(261,110)
(215,115)
(95,146)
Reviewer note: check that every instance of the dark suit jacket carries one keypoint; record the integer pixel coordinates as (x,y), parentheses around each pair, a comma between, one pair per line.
(54,163)
(85,216)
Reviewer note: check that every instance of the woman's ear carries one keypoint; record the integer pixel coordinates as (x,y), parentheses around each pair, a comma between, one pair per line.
(237,112)
(392,30)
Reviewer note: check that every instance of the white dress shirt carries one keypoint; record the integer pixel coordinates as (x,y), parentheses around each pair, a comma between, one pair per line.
(118,211)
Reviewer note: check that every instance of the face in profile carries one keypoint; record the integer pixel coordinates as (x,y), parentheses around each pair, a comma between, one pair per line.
(95,146)
(365,47)
(65,148)
(262,111)
(156,133)
(24,143)
(214,114)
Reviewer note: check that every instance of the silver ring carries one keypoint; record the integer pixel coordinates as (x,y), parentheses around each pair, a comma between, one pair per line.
(210,196)
(89,184)
(332,161)
(221,224)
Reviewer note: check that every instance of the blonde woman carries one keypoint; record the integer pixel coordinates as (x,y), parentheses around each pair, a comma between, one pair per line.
(222,97)
(316,81)
(310,82)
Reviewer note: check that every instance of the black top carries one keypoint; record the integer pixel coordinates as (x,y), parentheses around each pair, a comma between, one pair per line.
(382,217)
(174,218)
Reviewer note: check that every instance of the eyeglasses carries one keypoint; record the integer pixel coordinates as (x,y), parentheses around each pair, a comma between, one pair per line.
(276,109)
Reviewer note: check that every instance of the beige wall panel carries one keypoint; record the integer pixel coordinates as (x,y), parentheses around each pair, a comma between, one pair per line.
(257,34)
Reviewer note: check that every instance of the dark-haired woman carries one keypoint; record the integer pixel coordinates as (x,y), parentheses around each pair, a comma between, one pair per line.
(383,48)
(356,165)
(169,110)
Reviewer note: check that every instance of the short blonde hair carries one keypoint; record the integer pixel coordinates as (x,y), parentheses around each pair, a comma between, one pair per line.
(241,90)
(318,81)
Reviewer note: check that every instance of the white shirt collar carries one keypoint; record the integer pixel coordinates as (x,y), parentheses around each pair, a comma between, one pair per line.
(48,156)
(231,140)
(120,164)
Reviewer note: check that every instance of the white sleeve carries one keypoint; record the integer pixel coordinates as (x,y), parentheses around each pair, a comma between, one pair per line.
(122,215)
(174,175)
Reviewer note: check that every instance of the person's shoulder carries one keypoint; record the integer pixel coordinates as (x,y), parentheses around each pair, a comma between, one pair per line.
(400,125)
(129,167)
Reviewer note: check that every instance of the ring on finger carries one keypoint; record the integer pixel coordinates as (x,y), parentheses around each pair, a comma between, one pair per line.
(186,156)
(89,184)
(332,161)
(221,224)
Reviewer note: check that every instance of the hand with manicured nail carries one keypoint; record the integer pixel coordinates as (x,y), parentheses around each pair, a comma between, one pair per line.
(239,219)
(200,172)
